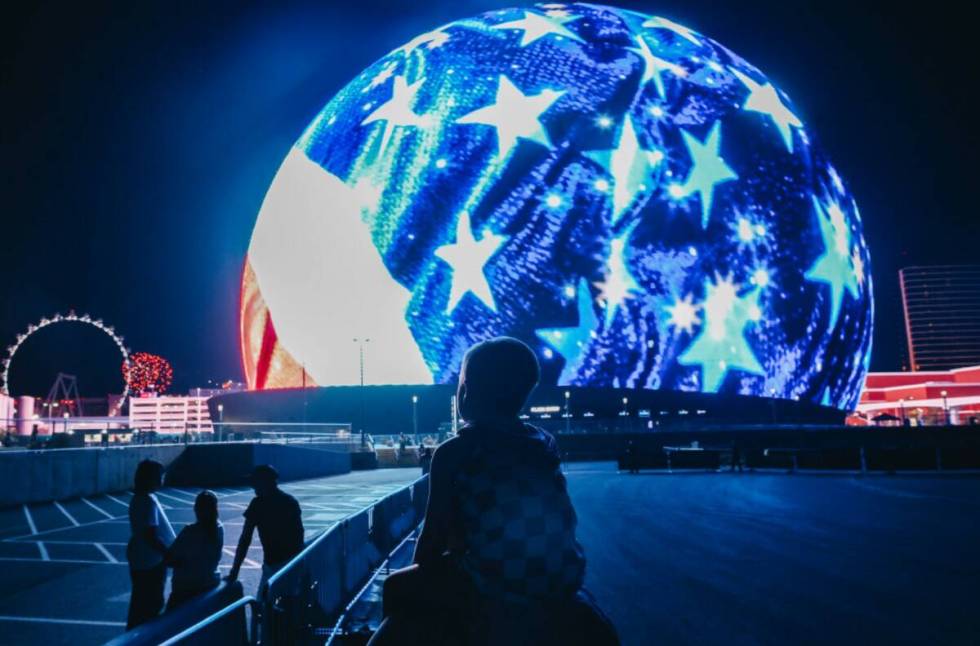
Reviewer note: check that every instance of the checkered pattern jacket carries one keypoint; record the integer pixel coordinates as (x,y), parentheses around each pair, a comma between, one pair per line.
(516,519)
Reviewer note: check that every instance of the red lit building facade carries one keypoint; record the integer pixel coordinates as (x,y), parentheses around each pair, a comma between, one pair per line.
(920,398)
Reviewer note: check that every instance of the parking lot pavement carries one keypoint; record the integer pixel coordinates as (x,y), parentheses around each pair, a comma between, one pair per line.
(65,579)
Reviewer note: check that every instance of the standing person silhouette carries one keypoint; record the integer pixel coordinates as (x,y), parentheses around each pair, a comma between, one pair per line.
(195,554)
(151,535)
(497,550)
(279,520)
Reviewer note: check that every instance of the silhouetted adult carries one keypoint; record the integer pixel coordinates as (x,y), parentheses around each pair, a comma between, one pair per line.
(151,535)
(497,560)
(277,516)
(195,555)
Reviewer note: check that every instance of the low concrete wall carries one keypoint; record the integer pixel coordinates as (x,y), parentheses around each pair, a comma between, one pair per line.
(58,474)
(217,465)
(40,476)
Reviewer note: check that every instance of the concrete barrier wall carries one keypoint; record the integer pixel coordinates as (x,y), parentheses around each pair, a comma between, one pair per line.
(40,476)
(219,465)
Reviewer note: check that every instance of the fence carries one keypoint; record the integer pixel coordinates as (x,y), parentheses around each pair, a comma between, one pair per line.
(308,593)
(59,433)
(301,602)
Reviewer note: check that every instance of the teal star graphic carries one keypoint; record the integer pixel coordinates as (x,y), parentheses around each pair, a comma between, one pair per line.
(836,265)
(619,283)
(572,342)
(628,165)
(709,169)
(765,100)
(721,345)
(536,26)
(514,115)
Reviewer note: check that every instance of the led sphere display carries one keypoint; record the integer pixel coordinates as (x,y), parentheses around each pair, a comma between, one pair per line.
(640,205)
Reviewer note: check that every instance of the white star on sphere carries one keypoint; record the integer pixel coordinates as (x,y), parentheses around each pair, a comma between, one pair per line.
(397,111)
(536,26)
(765,100)
(683,314)
(431,40)
(514,115)
(468,258)
(628,165)
(708,170)
(657,22)
(619,283)
(652,66)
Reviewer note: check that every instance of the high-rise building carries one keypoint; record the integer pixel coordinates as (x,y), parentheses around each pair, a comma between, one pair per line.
(942,315)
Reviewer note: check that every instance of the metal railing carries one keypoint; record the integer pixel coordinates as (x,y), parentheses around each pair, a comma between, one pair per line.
(220,627)
(115,432)
(310,591)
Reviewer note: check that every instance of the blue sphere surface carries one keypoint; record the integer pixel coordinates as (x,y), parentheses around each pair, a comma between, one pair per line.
(640,205)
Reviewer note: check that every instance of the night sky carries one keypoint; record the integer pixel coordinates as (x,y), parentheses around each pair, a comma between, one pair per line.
(138,141)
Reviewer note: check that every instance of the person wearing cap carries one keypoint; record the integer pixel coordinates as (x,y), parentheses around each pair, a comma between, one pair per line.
(277,516)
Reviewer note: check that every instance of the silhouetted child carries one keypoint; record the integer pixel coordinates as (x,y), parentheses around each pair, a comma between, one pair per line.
(195,554)
(151,535)
(497,550)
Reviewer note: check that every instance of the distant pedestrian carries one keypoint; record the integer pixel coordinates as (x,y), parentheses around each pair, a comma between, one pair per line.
(195,554)
(151,536)
(280,522)
(425,459)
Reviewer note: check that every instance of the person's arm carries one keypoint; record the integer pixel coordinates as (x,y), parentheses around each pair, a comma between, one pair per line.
(434,539)
(242,551)
(173,556)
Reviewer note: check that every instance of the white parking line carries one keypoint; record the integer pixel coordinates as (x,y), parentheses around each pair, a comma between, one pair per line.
(97,508)
(43,550)
(30,520)
(54,620)
(116,500)
(67,515)
(106,553)
(62,529)
(180,500)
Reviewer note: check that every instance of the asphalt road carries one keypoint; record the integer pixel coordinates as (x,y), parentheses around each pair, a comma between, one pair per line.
(711,558)
(683,558)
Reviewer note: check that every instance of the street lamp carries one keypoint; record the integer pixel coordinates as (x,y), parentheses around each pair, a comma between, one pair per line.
(415,418)
(568,414)
(945,407)
(360,349)
(221,420)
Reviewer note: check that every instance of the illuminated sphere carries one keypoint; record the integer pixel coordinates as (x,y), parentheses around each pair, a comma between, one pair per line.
(640,205)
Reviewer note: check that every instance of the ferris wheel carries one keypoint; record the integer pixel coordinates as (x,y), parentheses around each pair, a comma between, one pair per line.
(70,317)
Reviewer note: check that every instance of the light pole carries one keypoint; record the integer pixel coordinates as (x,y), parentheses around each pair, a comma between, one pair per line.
(360,350)
(415,418)
(945,407)
(568,414)
(221,421)
(65,417)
